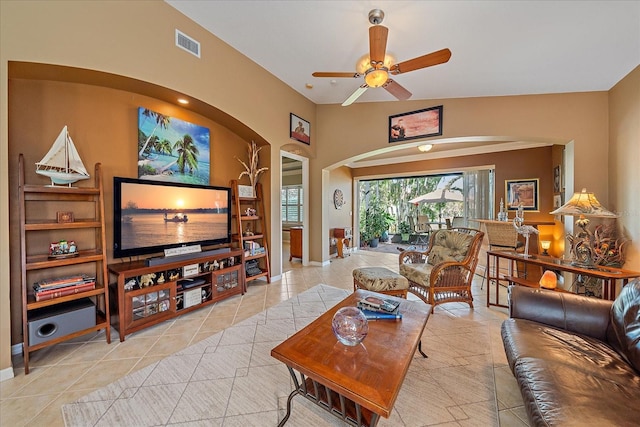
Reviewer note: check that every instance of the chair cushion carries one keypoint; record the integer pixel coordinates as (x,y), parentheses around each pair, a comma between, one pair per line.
(624,327)
(449,245)
(417,273)
(378,279)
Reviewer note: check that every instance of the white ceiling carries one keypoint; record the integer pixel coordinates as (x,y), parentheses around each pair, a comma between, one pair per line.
(498,47)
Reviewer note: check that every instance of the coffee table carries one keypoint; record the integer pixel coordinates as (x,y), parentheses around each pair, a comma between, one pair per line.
(357,384)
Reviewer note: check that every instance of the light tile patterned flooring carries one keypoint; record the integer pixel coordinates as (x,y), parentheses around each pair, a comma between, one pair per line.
(64,373)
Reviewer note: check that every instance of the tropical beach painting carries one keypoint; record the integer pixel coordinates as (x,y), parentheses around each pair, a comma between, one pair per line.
(171,149)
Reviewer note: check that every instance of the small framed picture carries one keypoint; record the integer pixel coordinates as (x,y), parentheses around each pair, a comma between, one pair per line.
(556,179)
(299,129)
(64,217)
(557,202)
(522,192)
(246,192)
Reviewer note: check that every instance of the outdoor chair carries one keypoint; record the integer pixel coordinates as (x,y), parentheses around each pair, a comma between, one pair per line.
(458,221)
(501,235)
(444,272)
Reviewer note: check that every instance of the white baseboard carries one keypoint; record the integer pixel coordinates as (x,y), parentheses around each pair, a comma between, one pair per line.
(276,278)
(6,374)
(16,349)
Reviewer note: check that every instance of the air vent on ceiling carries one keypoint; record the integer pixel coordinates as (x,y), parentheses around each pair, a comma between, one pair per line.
(185,42)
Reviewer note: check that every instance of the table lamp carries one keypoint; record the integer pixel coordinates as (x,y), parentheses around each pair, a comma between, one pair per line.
(545,245)
(583,204)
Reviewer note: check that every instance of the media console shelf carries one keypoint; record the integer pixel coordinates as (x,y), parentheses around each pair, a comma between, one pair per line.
(145,295)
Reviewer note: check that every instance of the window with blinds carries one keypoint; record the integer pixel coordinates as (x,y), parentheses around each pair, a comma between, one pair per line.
(292,204)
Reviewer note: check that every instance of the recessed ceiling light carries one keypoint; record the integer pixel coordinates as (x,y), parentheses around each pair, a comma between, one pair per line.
(183,101)
(309,86)
(424,148)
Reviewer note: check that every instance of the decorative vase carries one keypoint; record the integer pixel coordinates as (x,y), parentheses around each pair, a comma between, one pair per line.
(350,326)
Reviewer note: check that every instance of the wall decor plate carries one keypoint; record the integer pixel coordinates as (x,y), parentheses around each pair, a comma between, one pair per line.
(338,199)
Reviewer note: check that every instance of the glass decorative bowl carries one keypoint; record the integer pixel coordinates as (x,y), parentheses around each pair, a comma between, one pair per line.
(350,326)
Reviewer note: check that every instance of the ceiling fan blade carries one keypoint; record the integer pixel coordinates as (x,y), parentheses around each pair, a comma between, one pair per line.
(428,60)
(355,95)
(377,43)
(397,90)
(332,74)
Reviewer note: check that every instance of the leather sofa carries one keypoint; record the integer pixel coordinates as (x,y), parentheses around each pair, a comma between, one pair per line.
(576,359)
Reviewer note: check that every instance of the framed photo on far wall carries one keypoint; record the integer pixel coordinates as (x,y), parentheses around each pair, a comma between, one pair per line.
(556,180)
(557,202)
(522,192)
(415,124)
(299,129)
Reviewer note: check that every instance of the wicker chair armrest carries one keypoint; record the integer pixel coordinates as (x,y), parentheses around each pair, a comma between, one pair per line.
(446,272)
(412,257)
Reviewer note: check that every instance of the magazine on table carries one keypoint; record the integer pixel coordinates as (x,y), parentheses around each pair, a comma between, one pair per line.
(377,304)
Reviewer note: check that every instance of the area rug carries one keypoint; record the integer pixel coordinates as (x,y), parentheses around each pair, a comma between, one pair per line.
(230,379)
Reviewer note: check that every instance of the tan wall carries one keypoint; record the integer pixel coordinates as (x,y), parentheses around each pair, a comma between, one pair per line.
(624,173)
(341,179)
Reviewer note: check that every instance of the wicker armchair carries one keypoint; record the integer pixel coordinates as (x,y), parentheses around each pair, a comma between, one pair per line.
(444,272)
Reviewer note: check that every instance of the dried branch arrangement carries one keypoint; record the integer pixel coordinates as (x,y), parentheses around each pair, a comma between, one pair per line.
(252,170)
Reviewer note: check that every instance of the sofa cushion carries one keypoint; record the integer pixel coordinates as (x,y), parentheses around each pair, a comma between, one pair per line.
(624,325)
(527,339)
(560,394)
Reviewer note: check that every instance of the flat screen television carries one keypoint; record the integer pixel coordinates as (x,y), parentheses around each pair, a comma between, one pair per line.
(150,216)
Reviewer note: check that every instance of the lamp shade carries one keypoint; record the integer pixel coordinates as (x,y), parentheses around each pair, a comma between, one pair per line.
(585,204)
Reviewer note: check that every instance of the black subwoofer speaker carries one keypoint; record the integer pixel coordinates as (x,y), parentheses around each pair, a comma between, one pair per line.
(66,318)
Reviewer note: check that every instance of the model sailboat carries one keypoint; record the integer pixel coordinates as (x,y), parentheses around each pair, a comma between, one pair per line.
(62,164)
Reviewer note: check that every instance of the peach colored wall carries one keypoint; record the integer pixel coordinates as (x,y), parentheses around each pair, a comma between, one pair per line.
(624,173)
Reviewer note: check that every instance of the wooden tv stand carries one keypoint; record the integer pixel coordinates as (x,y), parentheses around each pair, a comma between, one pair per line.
(146,295)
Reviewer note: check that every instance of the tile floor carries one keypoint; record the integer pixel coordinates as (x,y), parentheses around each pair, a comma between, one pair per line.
(64,373)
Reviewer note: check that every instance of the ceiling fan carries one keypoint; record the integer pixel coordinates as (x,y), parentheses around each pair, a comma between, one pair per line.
(377,66)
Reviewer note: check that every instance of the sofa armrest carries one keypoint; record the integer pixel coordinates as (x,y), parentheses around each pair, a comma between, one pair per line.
(571,312)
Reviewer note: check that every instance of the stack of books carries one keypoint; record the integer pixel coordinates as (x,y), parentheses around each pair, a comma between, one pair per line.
(379,309)
(61,286)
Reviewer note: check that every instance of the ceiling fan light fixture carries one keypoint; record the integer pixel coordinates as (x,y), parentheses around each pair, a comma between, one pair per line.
(364,63)
(425,147)
(376,78)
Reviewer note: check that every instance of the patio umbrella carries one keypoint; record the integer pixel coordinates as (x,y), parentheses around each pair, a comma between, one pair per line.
(440,195)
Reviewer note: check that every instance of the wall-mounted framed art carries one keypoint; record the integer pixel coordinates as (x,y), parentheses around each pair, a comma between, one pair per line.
(299,129)
(522,192)
(170,149)
(415,124)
